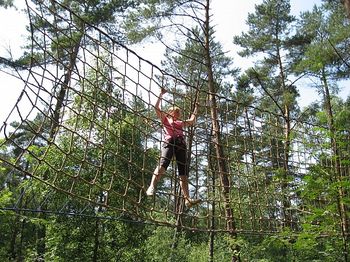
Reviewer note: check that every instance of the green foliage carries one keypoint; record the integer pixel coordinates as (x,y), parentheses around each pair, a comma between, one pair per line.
(159,246)
(165,244)
(144,21)
(74,239)
(269,26)
(5,197)
(137,30)
(85,161)
(6,3)
(199,253)
(325,26)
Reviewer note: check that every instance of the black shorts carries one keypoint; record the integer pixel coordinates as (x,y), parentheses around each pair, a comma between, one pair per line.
(177,147)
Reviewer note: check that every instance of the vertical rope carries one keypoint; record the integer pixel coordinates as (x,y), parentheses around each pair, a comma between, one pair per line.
(97,98)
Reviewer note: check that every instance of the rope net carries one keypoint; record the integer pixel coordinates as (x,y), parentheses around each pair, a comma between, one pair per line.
(83,139)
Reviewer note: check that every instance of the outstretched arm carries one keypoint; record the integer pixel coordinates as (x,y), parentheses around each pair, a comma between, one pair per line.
(157,105)
(193,117)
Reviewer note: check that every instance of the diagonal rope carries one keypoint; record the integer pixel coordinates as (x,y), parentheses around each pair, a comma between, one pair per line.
(92,140)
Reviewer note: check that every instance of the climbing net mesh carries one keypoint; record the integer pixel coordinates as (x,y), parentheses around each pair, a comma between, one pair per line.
(83,139)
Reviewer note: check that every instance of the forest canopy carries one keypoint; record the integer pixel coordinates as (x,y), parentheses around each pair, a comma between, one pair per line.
(79,147)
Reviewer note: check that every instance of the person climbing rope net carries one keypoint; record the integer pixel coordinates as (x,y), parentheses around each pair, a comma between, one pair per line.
(174,144)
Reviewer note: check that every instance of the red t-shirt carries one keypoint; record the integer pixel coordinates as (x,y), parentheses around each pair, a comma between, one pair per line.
(172,129)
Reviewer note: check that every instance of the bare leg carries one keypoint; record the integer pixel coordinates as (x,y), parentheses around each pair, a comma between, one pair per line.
(157,174)
(184,187)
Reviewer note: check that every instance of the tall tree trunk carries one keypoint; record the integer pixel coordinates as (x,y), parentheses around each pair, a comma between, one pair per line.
(55,125)
(347,7)
(287,218)
(96,241)
(255,210)
(20,245)
(342,209)
(15,252)
(13,255)
(63,90)
(40,242)
(221,160)
(212,219)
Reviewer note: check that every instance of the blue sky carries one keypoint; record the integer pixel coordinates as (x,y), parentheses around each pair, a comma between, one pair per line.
(229,17)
